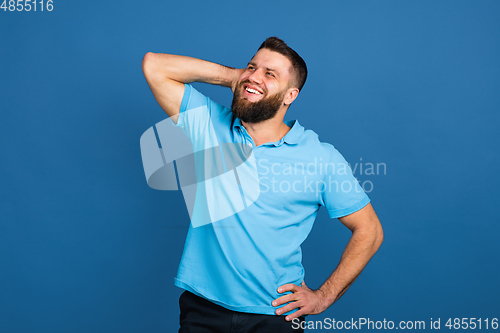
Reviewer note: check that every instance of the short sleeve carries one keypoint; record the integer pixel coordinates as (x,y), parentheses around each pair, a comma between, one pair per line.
(342,193)
(195,113)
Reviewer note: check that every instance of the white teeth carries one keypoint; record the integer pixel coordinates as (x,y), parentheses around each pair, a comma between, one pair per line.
(252,91)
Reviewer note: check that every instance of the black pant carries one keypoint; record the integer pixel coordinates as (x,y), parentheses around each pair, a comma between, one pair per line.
(199,315)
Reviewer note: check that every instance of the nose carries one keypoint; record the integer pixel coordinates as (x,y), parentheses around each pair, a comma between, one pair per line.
(256,76)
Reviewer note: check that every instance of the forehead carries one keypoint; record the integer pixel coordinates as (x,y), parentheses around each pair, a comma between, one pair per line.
(272,60)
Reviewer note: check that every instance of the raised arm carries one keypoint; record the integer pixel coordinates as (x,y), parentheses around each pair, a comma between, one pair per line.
(167,73)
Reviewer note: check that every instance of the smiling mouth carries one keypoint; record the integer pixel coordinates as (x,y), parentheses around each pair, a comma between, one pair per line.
(252,91)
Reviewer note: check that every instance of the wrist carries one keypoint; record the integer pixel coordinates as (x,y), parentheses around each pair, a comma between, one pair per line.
(235,77)
(328,296)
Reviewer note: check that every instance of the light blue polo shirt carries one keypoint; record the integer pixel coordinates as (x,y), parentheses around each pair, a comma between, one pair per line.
(239,261)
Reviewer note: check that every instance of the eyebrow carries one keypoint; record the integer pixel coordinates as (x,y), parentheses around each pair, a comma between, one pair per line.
(267,68)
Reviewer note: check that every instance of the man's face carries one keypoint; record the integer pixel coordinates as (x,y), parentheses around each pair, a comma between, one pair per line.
(262,88)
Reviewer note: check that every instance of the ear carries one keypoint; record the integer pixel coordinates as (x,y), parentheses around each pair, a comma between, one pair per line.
(291,95)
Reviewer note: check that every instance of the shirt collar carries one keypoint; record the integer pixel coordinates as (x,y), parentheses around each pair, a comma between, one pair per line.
(292,137)
(295,133)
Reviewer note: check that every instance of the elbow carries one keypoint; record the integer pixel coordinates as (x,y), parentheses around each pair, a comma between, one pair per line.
(379,236)
(374,235)
(148,63)
(156,67)
(371,235)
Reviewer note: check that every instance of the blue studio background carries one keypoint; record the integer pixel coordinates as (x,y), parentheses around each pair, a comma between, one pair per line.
(87,246)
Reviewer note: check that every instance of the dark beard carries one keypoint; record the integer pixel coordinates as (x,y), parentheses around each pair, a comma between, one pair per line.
(255,112)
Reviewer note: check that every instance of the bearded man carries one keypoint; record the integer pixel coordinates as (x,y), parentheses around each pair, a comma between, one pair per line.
(249,278)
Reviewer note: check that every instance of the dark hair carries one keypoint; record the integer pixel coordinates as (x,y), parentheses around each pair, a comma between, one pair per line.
(299,65)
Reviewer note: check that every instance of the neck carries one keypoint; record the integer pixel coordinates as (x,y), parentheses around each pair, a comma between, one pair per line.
(270,130)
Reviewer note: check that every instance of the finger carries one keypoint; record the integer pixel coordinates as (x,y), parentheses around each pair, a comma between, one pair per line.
(284,299)
(288,287)
(287,308)
(296,314)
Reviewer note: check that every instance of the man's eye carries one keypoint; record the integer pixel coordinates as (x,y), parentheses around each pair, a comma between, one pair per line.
(270,74)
